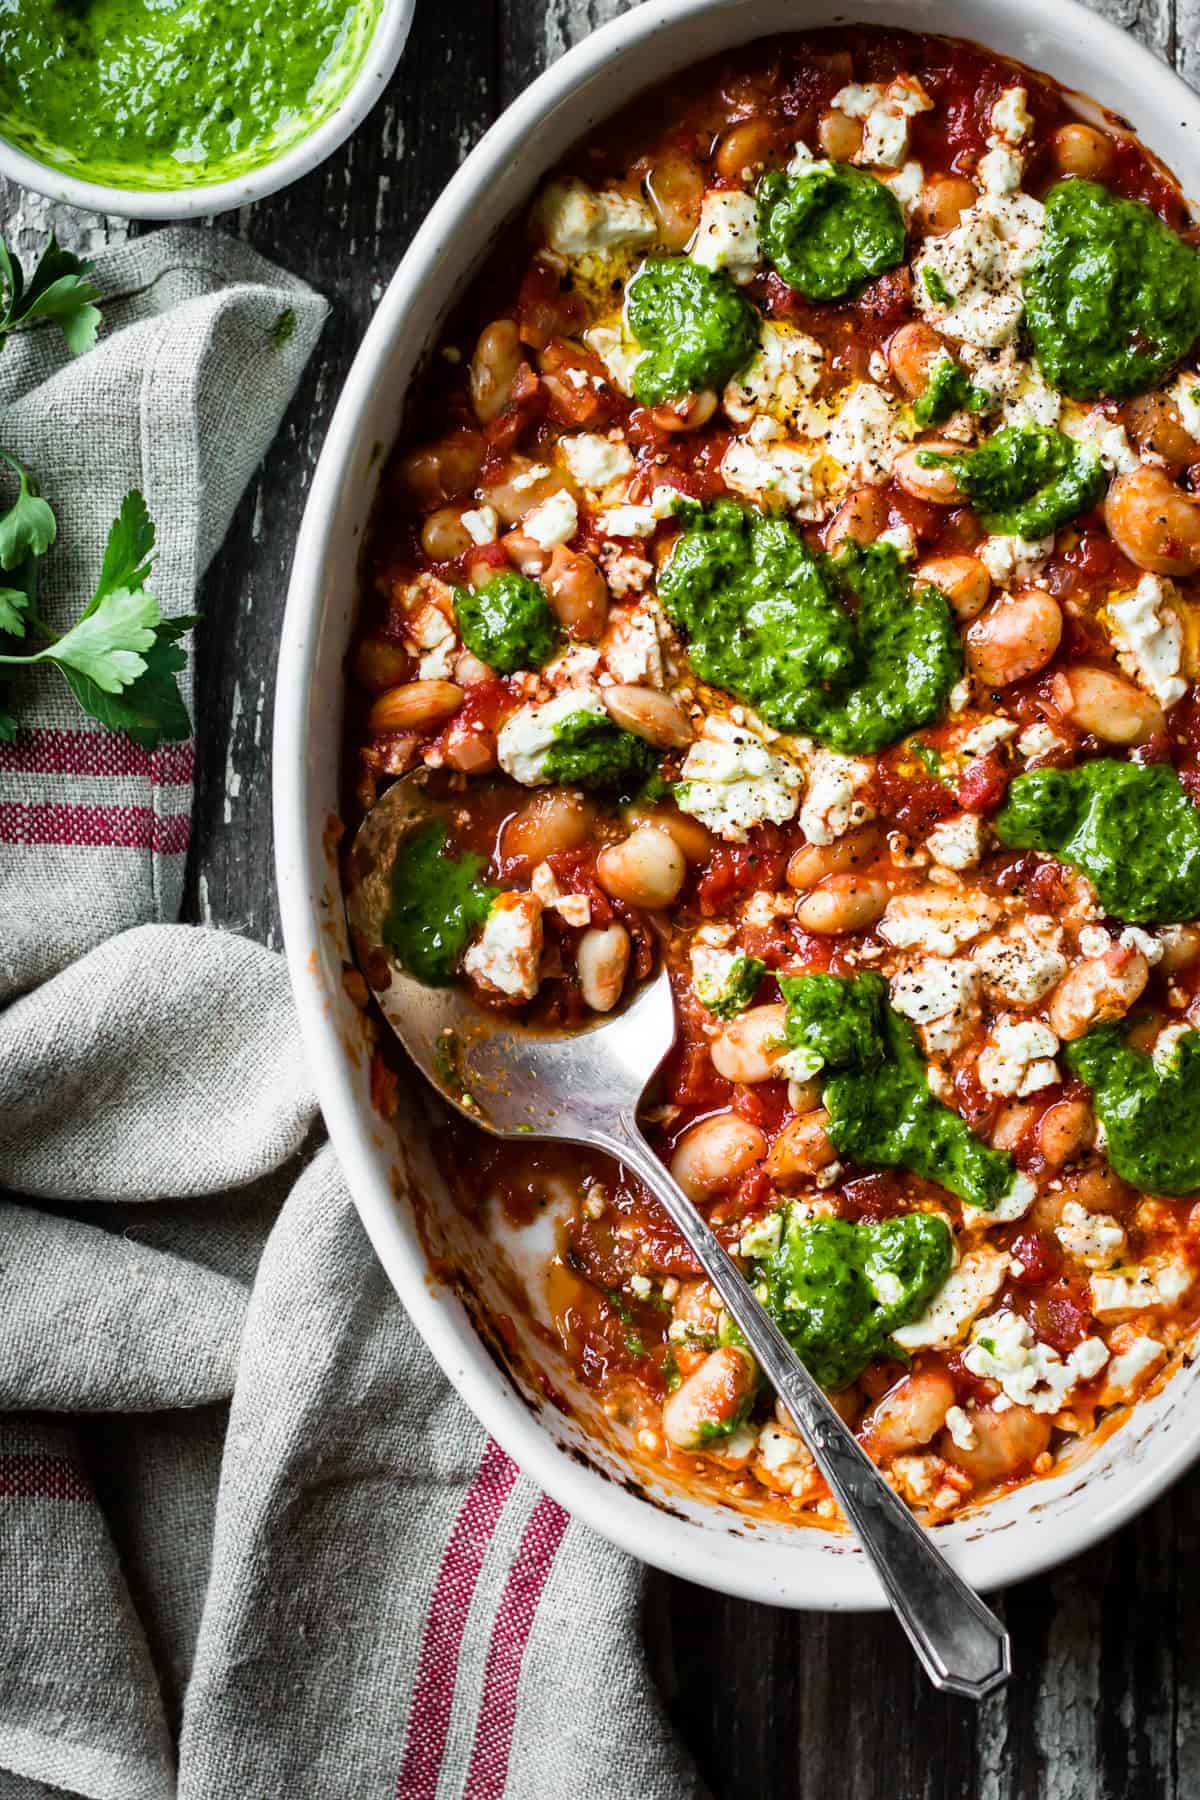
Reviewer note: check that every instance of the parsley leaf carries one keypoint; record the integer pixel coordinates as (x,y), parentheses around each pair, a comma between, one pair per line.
(58,290)
(121,658)
(29,527)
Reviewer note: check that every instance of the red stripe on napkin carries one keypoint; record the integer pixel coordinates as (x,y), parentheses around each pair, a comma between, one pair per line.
(42,1478)
(506,1652)
(38,750)
(437,1669)
(94,827)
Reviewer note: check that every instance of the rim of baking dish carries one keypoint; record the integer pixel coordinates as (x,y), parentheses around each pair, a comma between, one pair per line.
(1063,1514)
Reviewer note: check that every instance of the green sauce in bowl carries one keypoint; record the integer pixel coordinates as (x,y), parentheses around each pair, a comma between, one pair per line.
(167,94)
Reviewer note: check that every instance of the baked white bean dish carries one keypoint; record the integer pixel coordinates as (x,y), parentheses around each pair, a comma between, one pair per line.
(791,573)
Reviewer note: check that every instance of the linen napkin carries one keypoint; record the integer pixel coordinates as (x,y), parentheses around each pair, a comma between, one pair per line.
(251,1544)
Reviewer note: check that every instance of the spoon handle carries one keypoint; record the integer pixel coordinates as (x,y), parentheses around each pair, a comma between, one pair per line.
(962,1646)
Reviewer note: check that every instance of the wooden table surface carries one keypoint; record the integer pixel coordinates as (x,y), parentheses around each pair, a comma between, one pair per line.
(1105,1704)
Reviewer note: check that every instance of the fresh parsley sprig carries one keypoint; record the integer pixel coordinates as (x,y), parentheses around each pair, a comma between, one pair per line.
(58,289)
(121,657)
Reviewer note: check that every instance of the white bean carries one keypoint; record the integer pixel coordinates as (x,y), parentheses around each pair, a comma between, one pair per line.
(646,869)
(601,959)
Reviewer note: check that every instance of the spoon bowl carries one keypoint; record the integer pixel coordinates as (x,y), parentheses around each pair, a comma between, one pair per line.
(586,1086)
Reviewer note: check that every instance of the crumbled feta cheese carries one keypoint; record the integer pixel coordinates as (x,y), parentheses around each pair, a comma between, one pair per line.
(431,632)
(482,524)
(783,1456)
(619,354)
(785,369)
(731,782)
(1105,436)
(761,468)
(1149,638)
(1019,1060)
(572,909)
(633,645)
(627,522)
(936,921)
(578,221)
(641,1287)
(962,1431)
(1009,559)
(941,997)
(554,520)
(595,461)
(761,1237)
(903,540)
(1134,938)
(1095,1238)
(1093,940)
(1025,961)
(1012,1205)
(958,843)
(1127,1371)
(1159,1281)
(1040,740)
(801,158)
(885,115)
(833,801)
(716,973)
(624,572)
(1186,395)
(525,739)
(987,734)
(507,954)
(907,185)
(863,435)
(727,235)
(1011,117)
(1003,1349)
(965,1292)
(1000,170)
(1166,1044)
(978,265)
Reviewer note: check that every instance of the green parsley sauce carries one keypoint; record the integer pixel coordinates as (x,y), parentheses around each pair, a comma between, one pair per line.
(591,752)
(173,93)
(696,329)
(507,623)
(1112,297)
(1149,1112)
(768,620)
(949,391)
(1130,827)
(1025,482)
(438,904)
(881,1112)
(829,229)
(837,1290)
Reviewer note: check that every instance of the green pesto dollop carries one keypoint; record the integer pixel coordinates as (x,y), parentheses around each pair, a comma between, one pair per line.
(168,93)
(881,1112)
(733,991)
(439,902)
(592,752)
(949,391)
(1130,827)
(1112,297)
(1025,481)
(837,1291)
(696,329)
(1149,1107)
(508,623)
(845,648)
(829,229)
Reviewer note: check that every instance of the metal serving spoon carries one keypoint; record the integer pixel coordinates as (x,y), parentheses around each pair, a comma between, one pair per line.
(586,1087)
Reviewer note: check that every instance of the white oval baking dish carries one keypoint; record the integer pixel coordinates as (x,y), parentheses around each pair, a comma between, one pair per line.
(1015,1537)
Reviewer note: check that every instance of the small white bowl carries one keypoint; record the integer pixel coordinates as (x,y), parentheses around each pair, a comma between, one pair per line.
(382,55)
(1020,1534)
